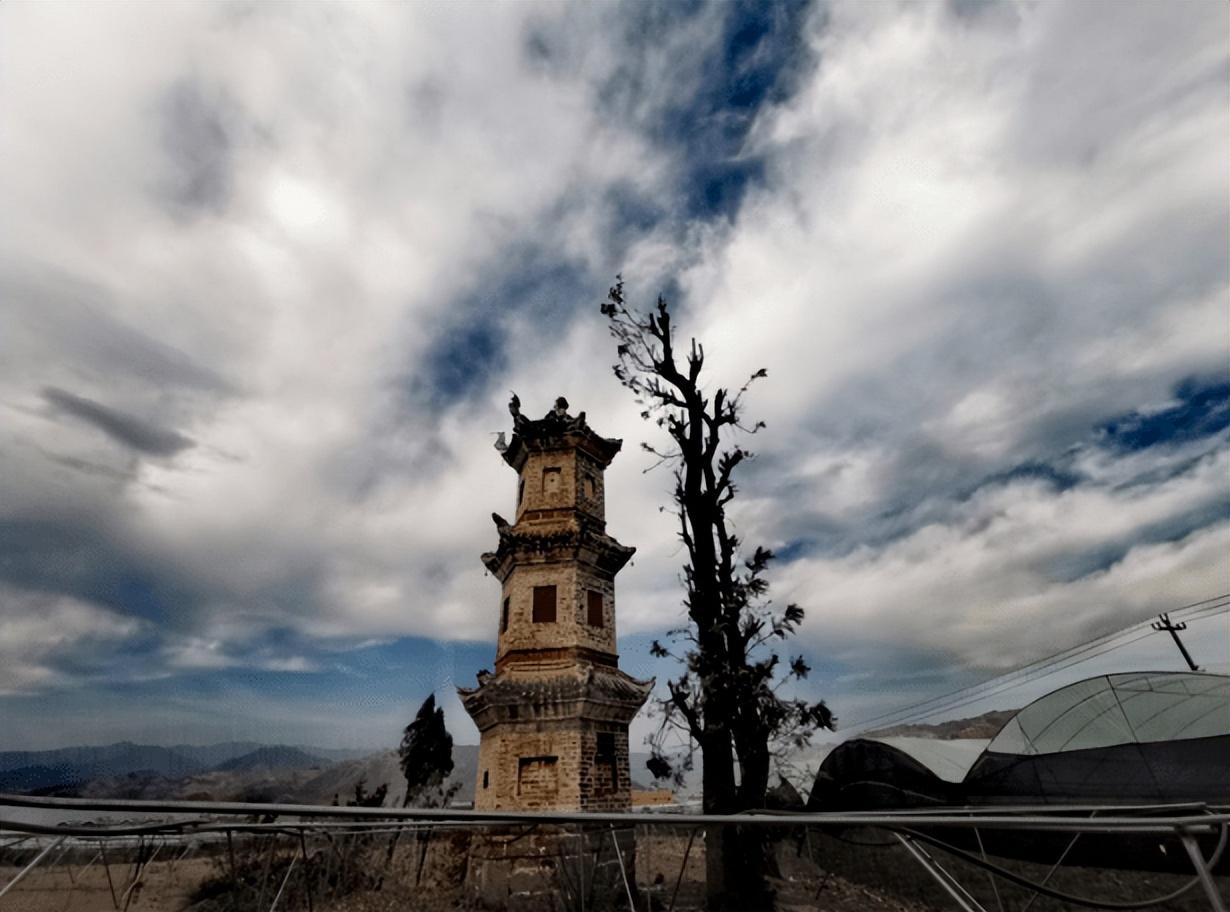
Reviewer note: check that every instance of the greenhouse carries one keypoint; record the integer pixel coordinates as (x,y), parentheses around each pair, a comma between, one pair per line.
(1125,738)
(1139,738)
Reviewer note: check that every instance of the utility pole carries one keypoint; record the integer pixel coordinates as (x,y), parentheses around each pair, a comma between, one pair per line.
(1173,630)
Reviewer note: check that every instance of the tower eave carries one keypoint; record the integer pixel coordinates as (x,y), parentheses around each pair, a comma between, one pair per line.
(586,544)
(508,699)
(549,435)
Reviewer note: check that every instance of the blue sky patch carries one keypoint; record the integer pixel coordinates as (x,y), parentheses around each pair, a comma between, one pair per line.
(1202,409)
(464,358)
(762,47)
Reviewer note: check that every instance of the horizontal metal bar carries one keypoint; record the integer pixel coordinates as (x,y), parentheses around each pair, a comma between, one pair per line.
(1039,819)
(1174,808)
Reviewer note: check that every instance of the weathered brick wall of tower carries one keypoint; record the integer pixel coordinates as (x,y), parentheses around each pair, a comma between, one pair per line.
(554,716)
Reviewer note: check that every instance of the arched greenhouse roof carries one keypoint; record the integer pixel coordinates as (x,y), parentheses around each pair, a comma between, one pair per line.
(948,759)
(1135,708)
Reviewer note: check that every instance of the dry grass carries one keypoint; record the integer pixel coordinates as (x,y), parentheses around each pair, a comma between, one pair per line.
(163,887)
(841,878)
(206,884)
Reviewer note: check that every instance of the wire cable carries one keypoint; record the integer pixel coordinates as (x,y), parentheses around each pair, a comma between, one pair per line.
(1202,608)
(1011,685)
(888,717)
(1054,669)
(995,686)
(1223,602)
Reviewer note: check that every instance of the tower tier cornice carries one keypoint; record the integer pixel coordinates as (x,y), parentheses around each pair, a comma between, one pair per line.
(598,694)
(557,542)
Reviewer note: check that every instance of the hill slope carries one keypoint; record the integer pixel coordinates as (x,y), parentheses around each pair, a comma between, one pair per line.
(272,758)
(986,725)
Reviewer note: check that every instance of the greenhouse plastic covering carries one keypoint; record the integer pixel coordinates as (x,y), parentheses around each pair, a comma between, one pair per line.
(1120,709)
(1141,738)
(950,759)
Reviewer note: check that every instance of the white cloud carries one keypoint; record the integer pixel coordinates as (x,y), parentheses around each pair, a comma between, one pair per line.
(976,244)
(976,240)
(363,166)
(1001,581)
(906,253)
(38,630)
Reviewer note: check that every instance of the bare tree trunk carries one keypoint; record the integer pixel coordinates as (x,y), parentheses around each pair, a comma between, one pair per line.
(719,798)
(754,783)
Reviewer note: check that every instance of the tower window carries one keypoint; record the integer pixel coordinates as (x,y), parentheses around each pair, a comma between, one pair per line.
(538,777)
(594,606)
(587,486)
(544,605)
(486,778)
(606,746)
(551,482)
(504,617)
(606,769)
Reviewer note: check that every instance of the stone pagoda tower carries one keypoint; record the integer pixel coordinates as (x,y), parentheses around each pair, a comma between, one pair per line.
(554,716)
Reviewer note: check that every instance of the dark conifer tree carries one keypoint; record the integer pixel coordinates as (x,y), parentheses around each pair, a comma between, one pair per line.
(426,753)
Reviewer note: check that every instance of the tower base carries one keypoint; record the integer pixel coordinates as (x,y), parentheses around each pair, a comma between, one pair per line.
(548,868)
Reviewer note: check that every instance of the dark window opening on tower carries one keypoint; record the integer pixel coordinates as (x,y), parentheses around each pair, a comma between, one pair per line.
(606,746)
(594,608)
(486,779)
(544,605)
(504,617)
(606,769)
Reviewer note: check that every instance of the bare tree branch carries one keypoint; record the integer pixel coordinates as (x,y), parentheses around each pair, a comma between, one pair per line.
(732,701)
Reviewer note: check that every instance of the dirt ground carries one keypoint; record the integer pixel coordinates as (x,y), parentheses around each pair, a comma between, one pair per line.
(802,886)
(843,878)
(165,886)
(74,888)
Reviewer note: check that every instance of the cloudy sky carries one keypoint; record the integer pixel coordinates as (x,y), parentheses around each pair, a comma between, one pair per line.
(269,271)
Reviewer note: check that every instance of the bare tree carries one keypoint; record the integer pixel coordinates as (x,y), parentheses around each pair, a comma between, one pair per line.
(728,702)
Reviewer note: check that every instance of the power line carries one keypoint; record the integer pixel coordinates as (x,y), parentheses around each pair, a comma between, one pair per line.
(1203,608)
(1041,674)
(992,681)
(998,687)
(1191,606)
(1200,613)
(1022,676)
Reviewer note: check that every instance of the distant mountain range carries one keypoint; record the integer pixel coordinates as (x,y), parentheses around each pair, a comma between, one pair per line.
(238,770)
(249,771)
(73,767)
